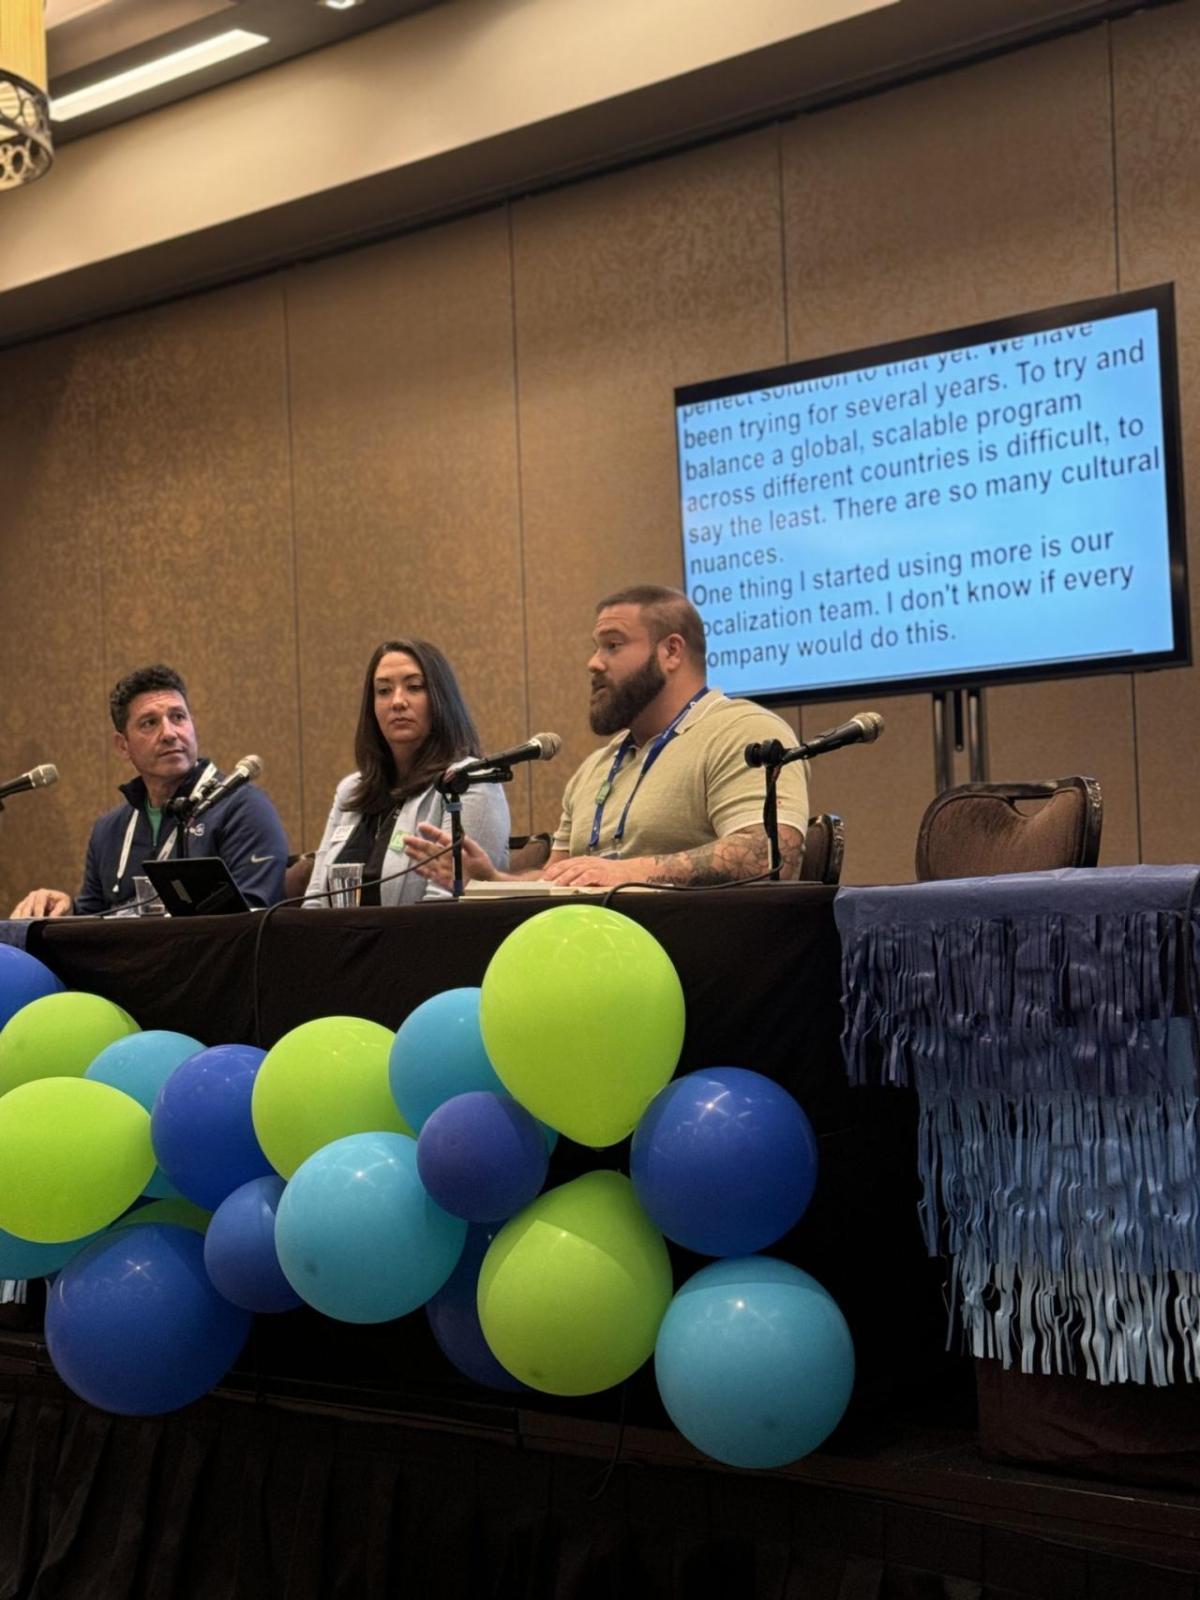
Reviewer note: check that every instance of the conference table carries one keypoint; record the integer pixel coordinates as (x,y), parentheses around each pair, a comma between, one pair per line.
(346,1459)
(1043,1024)
(761,973)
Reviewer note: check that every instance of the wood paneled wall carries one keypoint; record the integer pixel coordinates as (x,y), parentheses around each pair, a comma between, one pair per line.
(467,433)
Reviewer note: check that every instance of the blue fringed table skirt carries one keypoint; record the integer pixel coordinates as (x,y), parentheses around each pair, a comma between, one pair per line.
(1047,1022)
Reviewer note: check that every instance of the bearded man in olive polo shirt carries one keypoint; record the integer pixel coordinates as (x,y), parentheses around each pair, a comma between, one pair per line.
(669,799)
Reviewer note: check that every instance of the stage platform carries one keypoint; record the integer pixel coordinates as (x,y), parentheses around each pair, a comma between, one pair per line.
(270,1488)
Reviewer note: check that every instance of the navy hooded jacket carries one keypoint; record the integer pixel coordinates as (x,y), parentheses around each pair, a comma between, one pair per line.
(244,830)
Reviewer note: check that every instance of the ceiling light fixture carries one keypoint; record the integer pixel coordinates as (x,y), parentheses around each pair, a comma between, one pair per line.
(26,147)
(340,5)
(164,69)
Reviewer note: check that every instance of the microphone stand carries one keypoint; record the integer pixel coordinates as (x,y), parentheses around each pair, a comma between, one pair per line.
(452,786)
(771,757)
(181,808)
(771,821)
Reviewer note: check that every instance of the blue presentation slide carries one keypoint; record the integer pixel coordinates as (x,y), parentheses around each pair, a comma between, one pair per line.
(1001,505)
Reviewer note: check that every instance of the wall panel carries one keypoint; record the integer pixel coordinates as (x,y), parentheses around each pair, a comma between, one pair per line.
(625,288)
(193,512)
(51,621)
(1156,59)
(406,482)
(945,203)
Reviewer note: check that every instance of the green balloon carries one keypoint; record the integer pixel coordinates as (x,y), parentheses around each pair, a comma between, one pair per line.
(182,1213)
(582,1016)
(59,1036)
(322,1081)
(76,1154)
(573,1289)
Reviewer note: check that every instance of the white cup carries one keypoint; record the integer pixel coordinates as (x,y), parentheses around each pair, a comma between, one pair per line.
(345,884)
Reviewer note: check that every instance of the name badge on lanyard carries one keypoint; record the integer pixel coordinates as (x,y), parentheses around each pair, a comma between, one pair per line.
(652,754)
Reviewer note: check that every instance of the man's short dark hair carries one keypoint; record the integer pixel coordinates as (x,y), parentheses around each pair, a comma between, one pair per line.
(142,680)
(667,611)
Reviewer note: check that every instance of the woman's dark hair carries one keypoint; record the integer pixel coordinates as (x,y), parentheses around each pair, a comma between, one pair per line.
(451,732)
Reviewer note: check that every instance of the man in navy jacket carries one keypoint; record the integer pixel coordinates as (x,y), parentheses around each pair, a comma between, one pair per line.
(155,734)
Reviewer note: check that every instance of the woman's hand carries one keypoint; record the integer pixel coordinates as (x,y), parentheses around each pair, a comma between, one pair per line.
(423,846)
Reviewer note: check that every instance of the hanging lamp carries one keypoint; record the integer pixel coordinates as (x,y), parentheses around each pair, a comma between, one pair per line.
(26,145)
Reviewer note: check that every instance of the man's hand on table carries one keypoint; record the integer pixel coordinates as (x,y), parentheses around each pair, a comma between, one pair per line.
(587,872)
(43,903)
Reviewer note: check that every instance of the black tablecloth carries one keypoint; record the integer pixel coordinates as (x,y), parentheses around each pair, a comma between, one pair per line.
(760,971)
(759,966)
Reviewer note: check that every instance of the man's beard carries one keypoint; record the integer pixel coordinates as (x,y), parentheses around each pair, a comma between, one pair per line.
(623,702)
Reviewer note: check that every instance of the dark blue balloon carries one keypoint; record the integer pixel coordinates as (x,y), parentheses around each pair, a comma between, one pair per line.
(201,1127)
(135,1326)
(454,1316)
(724,1161)
(239,1249)
(22,978)
(482,1156)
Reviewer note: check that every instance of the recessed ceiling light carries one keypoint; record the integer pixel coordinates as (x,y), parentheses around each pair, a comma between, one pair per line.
(164,69)
(340,5)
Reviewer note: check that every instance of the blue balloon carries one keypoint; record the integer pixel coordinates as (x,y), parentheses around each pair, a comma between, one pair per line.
(133,1324)
(358,1236)
(482,1156)
(454,1316)
(139,1065)
(23,978)
(201,1127)
(21,1258)
(438,1053)
(724,1161)
(754,1362)
(239,1248)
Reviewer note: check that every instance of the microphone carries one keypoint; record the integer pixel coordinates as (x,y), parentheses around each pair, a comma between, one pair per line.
(542,747)
(247,769)
(37,778)
(865,728)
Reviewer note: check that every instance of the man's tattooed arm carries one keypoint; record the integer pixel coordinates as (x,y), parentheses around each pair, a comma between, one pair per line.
(744,854)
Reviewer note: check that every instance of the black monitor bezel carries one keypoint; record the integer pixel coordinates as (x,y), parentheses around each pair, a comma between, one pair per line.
(1159,298)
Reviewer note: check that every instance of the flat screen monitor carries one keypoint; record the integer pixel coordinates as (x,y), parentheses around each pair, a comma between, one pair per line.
(991,503)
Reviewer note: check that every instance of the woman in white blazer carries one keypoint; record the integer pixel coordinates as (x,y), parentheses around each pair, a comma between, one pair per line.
(412,725)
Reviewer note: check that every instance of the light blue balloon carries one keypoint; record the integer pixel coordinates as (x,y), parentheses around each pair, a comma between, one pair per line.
(139,1065)
(21,1258)
(754,1362)
(437,1054)
(358,1237)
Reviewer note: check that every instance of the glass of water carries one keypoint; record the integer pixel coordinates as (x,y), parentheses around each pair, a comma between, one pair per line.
(146,899)
(345,884)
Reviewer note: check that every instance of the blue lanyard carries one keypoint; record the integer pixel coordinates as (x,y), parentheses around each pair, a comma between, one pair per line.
(652,755)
